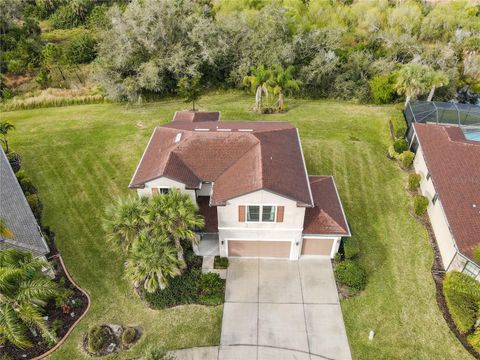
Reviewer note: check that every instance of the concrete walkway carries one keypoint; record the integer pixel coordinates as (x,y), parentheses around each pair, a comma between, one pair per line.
(277,309)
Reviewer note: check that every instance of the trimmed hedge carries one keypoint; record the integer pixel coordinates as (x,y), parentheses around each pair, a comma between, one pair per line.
(420,204)
(351,274)
(400,145)
(406,158)
(462,294)
(414,182)
(399,125)
(220,262)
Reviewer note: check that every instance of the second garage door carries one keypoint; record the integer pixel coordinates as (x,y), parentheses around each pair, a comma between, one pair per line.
(243,248)
(317,246)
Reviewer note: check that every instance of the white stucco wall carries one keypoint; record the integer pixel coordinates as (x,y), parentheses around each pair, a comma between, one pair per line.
(205,189)
(290,229)
(165,182)
(445,241)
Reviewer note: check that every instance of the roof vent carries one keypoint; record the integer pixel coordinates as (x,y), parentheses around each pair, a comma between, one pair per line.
(202,129)
(178,137)
(224,129)
(245,129)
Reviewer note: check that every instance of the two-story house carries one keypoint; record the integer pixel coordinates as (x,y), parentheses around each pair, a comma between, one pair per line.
(250,182)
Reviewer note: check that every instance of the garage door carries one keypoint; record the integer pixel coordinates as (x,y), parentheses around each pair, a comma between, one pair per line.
(242,248)
(317,246)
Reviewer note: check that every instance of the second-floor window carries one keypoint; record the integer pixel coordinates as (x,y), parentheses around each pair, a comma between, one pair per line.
(261,213)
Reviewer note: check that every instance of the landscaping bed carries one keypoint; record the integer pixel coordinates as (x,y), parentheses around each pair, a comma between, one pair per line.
(192,287)
(60,318)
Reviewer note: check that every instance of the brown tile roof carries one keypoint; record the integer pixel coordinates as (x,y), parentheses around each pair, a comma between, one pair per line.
(196,116)
(239,157)
(327,216)
(454,165)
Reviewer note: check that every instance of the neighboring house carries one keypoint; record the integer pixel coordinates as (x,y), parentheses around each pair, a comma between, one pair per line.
(449,166)
(250,182)
(18,216)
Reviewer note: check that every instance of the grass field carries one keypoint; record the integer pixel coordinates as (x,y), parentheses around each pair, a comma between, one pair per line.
(81,157)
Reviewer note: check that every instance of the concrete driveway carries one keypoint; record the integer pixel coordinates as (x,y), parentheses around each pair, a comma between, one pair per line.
(278,309)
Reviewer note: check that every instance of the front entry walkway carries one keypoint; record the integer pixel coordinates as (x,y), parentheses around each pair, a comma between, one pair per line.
(278,309)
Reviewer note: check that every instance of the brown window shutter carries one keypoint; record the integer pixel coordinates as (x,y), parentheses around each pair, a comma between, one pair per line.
(280,211)
(241,213)
(154,191)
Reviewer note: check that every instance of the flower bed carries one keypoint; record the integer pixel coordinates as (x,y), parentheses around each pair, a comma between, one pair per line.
(59,318)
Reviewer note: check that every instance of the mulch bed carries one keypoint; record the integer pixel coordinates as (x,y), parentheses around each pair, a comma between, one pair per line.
(53,313)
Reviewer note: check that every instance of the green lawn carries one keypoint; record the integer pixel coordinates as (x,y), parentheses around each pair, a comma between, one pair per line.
(81,157)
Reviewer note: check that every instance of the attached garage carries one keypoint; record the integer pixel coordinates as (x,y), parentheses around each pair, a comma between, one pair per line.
(249,248)
(317,246)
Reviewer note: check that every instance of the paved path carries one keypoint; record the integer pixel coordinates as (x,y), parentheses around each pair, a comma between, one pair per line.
(277,309)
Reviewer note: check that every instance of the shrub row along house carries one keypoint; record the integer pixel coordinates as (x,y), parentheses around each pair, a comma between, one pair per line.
(19,219)
(449,166)
(250,182)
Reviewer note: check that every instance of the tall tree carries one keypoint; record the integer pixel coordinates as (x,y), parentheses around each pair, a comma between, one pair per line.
(282,81)
(151,262)
(4,230)
(5,128)
(413,80)
(24,291)
(176,216)
(189,89)
(258,82)
(124,220)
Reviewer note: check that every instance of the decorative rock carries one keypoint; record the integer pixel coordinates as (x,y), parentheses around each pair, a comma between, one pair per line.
(111,347)
(117,330)
(371,335)
(45,318)
(72,314)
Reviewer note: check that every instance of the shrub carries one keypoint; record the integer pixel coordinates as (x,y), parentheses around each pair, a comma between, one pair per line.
(351,248)
(413,182)
(382,88)
(15,160)
(97,338)
(81,49)
(128,336)
(462,294)
(98,18)
(36,206)
(220,262)
(351,274)
(420,204)
(26,183)
(72,14)
(474,340)
(392,154)
(57,326)
(211,289)
(400,145)
(406,159)
(399,125)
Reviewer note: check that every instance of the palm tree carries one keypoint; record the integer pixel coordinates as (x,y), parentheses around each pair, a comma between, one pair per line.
(258,83)
(151,262)
(412,80)
(176,216)
(24,291)
(4,230)
(124,219)
(5,127)
(282,81)
(437,79)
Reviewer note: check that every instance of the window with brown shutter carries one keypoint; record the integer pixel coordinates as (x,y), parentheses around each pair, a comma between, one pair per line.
(280,211)
(154,190)
(241,213)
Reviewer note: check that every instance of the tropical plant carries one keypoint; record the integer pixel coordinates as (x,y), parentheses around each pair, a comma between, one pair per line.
(124,220)
(5,127)
(189,89)
(24,292)
(151,262)
(436,79)
(176,216)
(258,82)
(4,230)
(282,81)
(413,80)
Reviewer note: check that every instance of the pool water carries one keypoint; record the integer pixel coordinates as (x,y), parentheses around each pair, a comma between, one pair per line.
(472,135)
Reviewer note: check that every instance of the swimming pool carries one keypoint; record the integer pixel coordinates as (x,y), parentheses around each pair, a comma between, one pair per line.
(473,135)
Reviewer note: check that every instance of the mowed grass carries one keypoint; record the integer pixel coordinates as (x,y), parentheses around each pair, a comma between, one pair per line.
(82,157)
